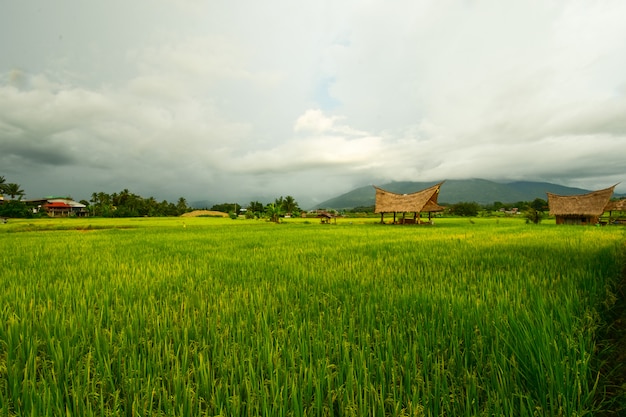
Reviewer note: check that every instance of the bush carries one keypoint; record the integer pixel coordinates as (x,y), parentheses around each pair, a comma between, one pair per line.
(15,209)
(533,215)
(465,209)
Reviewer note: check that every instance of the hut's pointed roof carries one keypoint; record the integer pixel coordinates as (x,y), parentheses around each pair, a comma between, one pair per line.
(590,204)
(420,201)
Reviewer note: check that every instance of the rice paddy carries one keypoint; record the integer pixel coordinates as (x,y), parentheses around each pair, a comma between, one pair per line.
(207,316)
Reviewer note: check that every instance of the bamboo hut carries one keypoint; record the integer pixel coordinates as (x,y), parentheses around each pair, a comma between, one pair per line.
(326,218)
(584,209)
(416,203)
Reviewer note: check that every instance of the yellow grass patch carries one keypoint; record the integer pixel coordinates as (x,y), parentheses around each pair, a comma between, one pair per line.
(197,213)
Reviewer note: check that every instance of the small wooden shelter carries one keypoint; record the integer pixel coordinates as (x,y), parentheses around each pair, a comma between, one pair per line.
(416,203)
(584,209)
(326,217)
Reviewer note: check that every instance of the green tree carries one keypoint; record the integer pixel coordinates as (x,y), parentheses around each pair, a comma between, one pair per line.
(2,185)
(521,205)
(226,207)
(181,206)
(15,209)
(102,204)
(126,204)
(533,216)
(289,205)
(13,190)
(150,207)
(255,208)
(539,204)
(273,211)
(465,209)
(363,209)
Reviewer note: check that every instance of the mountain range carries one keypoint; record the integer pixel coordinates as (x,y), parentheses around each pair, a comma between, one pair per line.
(453,191)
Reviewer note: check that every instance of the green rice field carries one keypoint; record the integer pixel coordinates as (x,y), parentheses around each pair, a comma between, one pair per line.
(208,316)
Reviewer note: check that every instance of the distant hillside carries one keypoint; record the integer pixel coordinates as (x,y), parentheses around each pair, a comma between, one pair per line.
(453,191)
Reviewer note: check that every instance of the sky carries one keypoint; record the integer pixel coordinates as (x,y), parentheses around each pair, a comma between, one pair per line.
(245,100)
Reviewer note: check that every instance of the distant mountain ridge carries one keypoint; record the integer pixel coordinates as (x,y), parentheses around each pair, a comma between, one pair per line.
(453,191)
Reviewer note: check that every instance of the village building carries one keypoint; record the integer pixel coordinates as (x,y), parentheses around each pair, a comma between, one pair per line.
(424,201)
(58,207)
(583,209)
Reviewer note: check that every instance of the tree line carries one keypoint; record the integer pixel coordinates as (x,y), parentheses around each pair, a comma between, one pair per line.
(273,211)
(127,204)
(122,204)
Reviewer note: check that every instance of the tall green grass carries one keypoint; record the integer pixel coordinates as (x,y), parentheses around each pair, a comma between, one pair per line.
(218,317)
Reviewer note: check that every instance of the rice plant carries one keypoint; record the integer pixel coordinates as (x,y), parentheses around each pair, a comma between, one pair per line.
(144,317)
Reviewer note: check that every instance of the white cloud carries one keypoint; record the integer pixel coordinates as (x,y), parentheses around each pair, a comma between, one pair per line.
(315,121)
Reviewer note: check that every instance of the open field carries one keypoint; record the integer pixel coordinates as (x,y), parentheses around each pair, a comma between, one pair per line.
(210,316)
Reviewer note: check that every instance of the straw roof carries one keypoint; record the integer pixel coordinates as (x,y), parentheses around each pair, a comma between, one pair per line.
(421,201)
(590,204)
(619,205)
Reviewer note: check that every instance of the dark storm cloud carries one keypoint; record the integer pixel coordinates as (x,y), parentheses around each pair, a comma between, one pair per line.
(31,154)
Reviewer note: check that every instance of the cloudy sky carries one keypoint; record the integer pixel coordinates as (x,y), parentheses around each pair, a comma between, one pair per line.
(239,100)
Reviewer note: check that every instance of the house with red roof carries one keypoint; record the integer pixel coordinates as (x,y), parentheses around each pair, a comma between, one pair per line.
(59,207)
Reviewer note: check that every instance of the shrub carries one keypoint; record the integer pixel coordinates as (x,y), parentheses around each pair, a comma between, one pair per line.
(15,209)
(533,215)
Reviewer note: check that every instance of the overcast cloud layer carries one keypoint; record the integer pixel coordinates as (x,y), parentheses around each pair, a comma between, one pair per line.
(237,100)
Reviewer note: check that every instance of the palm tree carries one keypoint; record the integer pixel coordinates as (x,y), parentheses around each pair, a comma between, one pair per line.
(13,190)
(181,206)
(151,207)
(289,204)
(255,207)
(104,198)
(2,185)
(273,211)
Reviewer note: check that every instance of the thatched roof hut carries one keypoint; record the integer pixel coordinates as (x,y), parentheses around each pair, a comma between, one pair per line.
(580,209)
(418,202)
(326,217)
